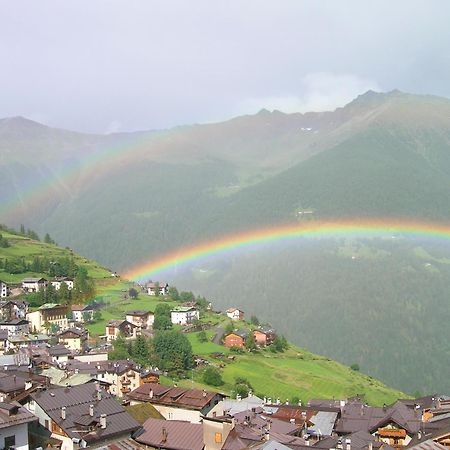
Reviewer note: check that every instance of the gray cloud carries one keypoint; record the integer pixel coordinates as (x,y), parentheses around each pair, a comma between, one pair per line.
(106,64)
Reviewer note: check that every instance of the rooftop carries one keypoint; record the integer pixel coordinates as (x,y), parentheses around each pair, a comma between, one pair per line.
(78,421)
(171,434)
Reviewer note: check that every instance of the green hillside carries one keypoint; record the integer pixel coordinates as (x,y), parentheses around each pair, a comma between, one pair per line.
(294,373)
(24,250)
(382,155)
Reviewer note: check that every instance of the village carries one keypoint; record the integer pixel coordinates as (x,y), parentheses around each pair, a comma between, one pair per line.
(58,391)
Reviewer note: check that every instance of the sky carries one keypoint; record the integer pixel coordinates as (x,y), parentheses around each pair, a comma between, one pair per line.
(107,65)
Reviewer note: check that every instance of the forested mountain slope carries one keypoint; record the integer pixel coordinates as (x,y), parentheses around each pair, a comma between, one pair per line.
(127,198)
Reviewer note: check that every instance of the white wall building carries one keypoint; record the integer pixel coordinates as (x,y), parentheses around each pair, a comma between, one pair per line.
(56,283)
(184,316)
(14,422)
(34,284)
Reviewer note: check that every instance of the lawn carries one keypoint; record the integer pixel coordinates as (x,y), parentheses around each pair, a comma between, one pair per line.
(118,303)
(295,373)
(24,247)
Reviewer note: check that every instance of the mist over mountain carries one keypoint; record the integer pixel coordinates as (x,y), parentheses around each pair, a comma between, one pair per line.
(129,197)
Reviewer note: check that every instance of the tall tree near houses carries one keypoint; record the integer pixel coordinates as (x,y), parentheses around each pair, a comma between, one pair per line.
(140,352)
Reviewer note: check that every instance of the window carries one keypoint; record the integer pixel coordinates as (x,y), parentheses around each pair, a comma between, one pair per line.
(10,441)
(218,438)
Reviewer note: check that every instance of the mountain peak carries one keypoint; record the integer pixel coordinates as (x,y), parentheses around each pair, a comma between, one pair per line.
(20,123)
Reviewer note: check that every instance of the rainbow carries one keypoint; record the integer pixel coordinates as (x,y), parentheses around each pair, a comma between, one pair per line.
(371,228)
(95,163)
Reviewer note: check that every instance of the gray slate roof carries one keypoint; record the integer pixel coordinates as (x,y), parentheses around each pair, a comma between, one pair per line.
(77,401)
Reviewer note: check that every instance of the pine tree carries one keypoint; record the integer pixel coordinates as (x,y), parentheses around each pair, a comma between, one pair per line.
(140,351)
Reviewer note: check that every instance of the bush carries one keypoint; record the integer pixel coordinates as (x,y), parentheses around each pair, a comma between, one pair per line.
(212,377)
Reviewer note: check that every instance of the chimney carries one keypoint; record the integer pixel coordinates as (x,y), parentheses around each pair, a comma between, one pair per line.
(348,444)
(91,410)
(150,394)
(370,445)
(97,385)
(204,393)
(28,384)
(238,398)
(63,413)
(278,401)
(299,403)
(99,395)
(164,434)
(103,421)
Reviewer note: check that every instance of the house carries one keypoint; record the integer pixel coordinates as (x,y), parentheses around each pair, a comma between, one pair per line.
(34,284)
(264,336)
(171,435)
(56,283)
(81,313)
(81,416)
(74,339)
(13,309)
(16,327)
(120,376)
(47,315)
(253,428)
(150,376)
(142,319)
(394,425)
(216,431)
(25,340)
(235,314)
(123,327)
(14,421)
(58,353)
(162,288)
(3,289)
(360,440)
(175,403)
(184,315)
(235,339)
(15,383)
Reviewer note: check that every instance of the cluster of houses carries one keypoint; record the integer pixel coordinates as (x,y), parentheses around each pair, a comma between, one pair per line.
(67,396)
(88,401)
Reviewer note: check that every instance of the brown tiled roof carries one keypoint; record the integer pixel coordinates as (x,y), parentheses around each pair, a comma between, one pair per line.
(77,401)
(171,434)
(80,307)
(138,313)
(75,332)
(300,414)
(179,397)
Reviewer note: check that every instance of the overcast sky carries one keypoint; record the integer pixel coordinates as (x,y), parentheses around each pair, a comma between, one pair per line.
(109,65)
